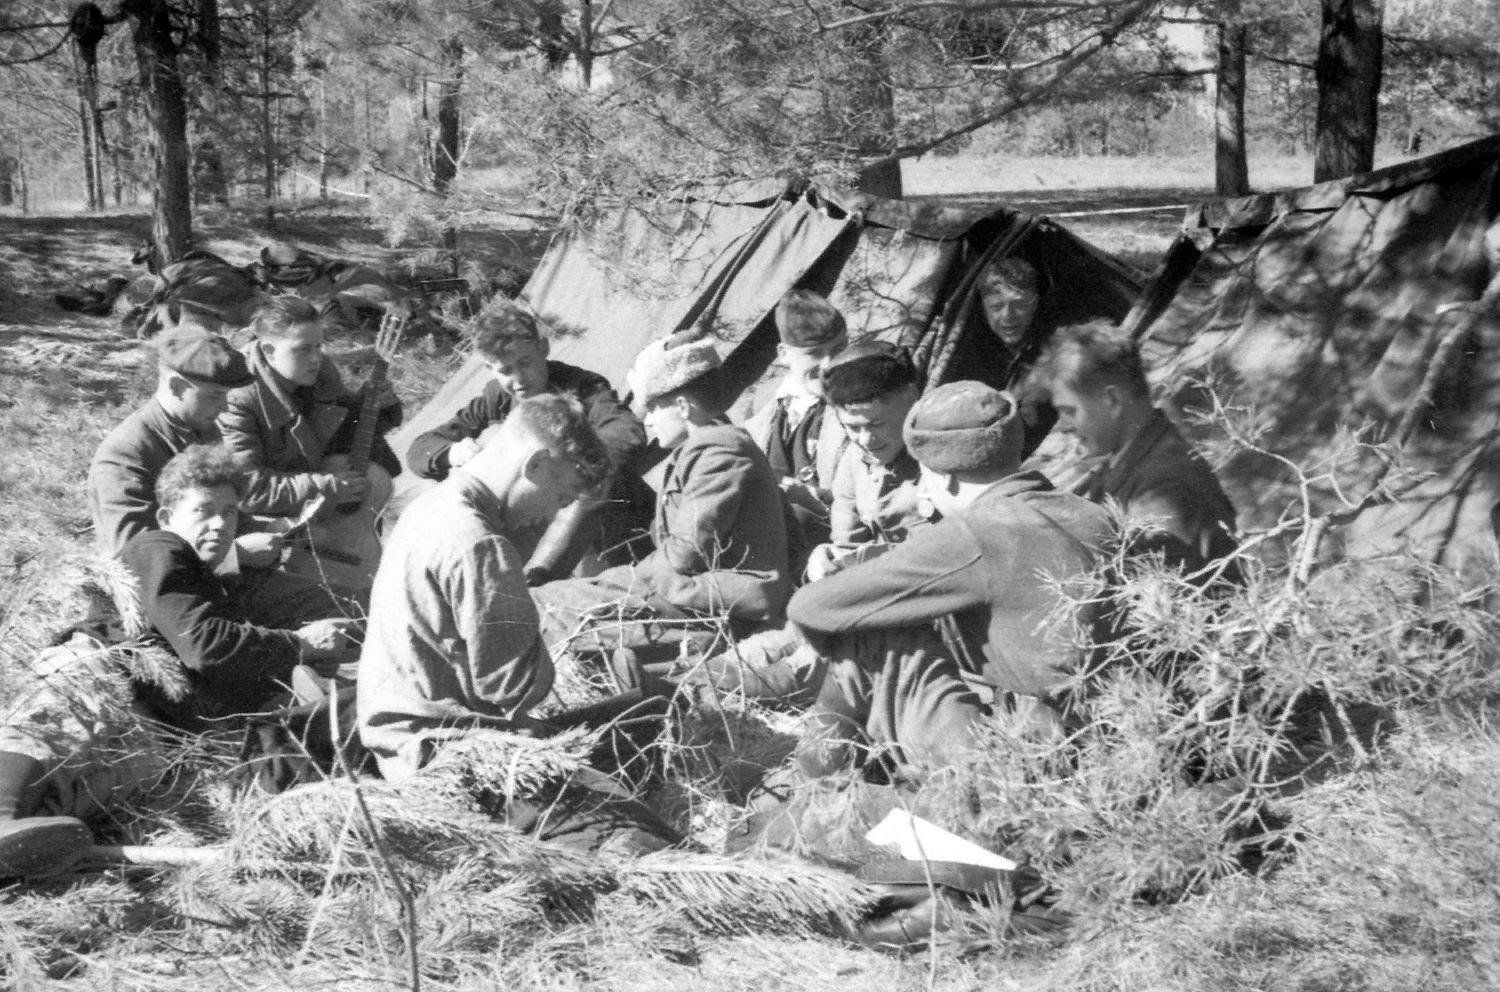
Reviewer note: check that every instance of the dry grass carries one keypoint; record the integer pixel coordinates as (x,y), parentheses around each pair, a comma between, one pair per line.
(1390,884)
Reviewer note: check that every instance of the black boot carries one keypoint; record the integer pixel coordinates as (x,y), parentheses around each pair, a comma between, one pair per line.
(34,845)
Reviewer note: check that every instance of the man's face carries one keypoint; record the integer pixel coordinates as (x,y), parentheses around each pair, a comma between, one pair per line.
(205,518)
(1092,417)
(297,355)
(549,482)
(1008,310)
(666,421)
(876,426)
(198,404)
(804,366)
(521,369)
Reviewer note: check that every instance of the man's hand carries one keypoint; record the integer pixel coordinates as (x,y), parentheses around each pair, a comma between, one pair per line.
(344,486)
(259,549)
(461,451)
(323,639)
(822,562)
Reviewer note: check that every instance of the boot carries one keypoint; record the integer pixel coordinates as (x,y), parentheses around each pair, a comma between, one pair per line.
(34,845)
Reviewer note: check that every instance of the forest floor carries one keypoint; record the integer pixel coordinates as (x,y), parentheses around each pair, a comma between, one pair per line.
(1395,897)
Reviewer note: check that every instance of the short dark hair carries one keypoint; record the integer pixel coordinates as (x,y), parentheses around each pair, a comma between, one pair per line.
(707,391)
(501,326)
(199,466)
(1014,271)
(805,319)
(1090,356)
(868,371)
(559,423)
(276,317)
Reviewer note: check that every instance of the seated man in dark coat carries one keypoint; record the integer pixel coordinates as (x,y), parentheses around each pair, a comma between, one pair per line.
(290,424)
(720,528)
(1164,487)
(895,688)
(74,738)
(509,341)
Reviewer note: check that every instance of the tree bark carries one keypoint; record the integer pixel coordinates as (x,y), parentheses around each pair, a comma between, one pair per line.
(213,180)
(872,105)
(268,149)
(166,109)
(1231,170)
(1348,74)
(445,154)
(7,180)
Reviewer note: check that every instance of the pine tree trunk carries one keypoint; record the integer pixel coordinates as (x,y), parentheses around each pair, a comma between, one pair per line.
(1348,74)
(872,102)
(445,155)
(1231,170)
(212,178)
(166,109)
(268,149)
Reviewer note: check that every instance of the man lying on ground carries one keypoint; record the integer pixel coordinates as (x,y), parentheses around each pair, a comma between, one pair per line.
(896,692)
(802,443)
(454,647)
(511,344)
(1144,464)
(720,527)
(74,740)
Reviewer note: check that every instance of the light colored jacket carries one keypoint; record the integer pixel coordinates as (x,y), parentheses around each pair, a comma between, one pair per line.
(453,640)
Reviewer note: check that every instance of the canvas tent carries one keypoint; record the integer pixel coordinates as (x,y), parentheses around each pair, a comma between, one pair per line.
(718,261)
(1329,307)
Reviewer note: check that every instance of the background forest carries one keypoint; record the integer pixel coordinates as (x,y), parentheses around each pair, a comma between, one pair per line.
(438,107)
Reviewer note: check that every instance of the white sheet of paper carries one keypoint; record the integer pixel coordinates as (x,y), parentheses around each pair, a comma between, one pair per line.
(916,839)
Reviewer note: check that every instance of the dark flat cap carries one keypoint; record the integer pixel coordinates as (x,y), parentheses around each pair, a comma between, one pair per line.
(965,427)
(805,319)
(203,357)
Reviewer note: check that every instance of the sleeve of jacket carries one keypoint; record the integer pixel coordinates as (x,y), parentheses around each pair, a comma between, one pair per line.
(846,529)
(266,490)
(933,573)
(123,502)
(185,604)
(622,434)
(497,620)
(713,488)
(428,454)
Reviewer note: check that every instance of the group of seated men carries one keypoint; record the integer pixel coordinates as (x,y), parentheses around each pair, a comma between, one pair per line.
(875,552)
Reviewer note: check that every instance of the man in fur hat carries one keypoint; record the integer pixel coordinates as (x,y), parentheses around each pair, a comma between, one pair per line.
(896,690)
(720,530)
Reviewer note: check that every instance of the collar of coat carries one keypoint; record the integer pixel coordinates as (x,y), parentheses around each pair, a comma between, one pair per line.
(277,396)
(1123,463)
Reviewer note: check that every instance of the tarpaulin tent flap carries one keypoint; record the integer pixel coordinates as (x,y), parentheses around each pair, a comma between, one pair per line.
(1323,318)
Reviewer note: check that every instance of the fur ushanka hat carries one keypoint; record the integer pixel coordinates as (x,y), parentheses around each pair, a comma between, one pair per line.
(667,364)
(965,427)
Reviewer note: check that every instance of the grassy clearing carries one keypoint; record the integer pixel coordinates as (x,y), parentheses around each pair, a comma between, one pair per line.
(1392,885)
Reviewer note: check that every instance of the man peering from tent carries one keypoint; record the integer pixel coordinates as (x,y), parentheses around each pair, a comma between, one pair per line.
(296,419)
(720,529)
(74,741)
(1100,391)
(1010,292)
(895,689)
(801,441)
(510,342)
